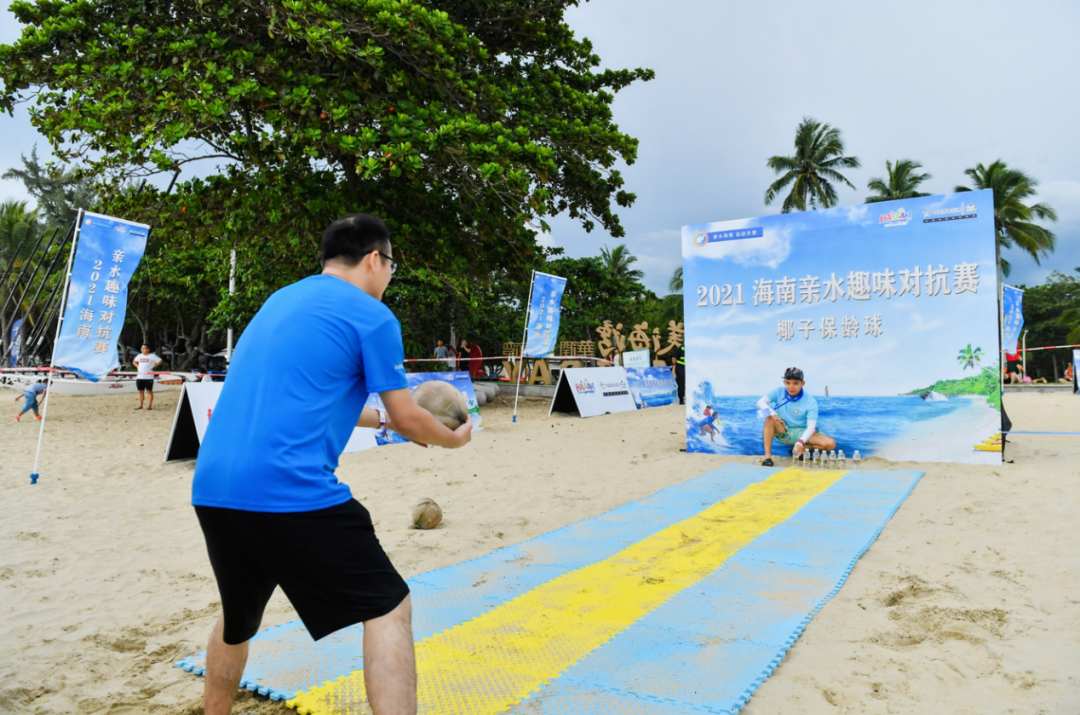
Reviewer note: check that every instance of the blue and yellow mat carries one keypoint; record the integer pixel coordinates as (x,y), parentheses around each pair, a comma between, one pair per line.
(683,602)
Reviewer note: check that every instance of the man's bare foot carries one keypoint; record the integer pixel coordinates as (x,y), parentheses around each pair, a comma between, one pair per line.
(139,407)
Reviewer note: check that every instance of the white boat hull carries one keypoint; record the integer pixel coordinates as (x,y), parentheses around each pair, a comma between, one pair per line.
(106,386)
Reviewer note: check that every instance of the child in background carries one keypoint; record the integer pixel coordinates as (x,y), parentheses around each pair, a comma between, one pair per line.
(30,394)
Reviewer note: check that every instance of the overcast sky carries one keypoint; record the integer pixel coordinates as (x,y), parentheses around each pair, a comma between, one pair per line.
(948,84)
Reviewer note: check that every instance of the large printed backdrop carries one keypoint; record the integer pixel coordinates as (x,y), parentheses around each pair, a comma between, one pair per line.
(891,308)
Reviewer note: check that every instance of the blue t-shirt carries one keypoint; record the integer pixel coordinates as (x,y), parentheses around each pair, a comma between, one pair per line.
(298,380)
(35,389)
(794,413)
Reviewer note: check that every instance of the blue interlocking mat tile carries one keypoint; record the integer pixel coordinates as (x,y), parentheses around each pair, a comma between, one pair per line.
(283,660)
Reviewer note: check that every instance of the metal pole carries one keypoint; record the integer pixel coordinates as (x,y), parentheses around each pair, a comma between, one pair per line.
(59,322)
(232,289)
(25,265)
(48,271)
(43,325)
(524,339)
(11,264)
(3,282)
(1023,357)
(50,302)
(20,302)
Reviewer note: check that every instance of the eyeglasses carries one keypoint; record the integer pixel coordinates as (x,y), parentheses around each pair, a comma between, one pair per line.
(393,263)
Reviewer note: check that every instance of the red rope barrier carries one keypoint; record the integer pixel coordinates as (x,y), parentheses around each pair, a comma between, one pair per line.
(1051,347)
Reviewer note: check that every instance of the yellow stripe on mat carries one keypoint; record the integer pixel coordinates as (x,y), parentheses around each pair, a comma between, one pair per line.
(492,662)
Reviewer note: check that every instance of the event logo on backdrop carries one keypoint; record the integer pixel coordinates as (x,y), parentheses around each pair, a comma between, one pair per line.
(107,254)
(544,311)
(890,309)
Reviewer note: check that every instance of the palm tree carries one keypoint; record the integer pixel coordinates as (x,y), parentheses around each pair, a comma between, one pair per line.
(618,261)
(16,224)
(1012,217)
(1071,320)
(969,357)
(901,184)
(675,284)
(819,153)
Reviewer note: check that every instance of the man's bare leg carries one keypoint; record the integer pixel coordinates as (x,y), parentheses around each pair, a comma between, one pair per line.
(224,666)
(773,426)
(150,399)
(140,399)
(822,441)
(390,663)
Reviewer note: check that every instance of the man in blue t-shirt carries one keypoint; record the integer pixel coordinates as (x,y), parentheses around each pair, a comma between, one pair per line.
(270,506)
(792,417)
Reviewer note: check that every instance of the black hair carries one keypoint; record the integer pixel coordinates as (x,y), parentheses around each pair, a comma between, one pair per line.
(352,237)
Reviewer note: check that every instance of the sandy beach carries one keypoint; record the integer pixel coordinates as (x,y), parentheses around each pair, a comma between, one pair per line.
(967,602)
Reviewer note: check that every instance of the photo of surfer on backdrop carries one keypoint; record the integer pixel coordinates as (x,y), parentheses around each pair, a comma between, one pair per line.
(708,425)
(791,418)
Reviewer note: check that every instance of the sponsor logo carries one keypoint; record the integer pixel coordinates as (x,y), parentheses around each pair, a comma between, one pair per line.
(703,237)
(614,389)
(954,213)
(121,229)
(899,217)
(115,386)
(584,387)
(87,222)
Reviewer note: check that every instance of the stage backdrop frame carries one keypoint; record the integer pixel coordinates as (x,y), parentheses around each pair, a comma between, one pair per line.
(877,303)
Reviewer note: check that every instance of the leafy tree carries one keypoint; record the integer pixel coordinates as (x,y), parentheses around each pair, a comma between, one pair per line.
(902,182)
(593,295)
(1070,319)
(1046,321)
(18,224)
(675,285)
(618,261)
(460,122)
(970,358)
(819,154)
(59,193)
(1012,217)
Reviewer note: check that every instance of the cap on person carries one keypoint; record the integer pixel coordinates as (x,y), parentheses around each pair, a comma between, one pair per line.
(793,373)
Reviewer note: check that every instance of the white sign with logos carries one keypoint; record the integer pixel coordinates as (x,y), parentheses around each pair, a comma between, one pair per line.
(637,358)
(592,391)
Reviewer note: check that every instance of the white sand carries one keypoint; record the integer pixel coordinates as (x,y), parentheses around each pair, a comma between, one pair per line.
(966,604)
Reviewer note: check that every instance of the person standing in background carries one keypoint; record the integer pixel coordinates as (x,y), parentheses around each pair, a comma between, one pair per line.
(145,363)
(678,366)
(441,353)
(464,362)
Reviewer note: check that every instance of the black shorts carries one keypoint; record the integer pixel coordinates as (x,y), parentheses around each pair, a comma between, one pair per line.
(328,562)
(147,385)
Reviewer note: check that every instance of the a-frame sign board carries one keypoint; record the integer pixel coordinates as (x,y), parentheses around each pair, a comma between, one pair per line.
(193,411)
(592,391)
